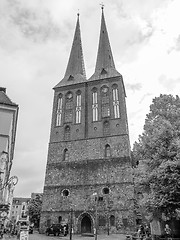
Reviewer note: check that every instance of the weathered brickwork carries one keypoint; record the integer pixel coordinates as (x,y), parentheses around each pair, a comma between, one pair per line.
(89,149)
(88,172)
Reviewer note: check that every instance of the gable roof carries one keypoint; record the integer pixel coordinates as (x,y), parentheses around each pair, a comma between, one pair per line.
(4,99)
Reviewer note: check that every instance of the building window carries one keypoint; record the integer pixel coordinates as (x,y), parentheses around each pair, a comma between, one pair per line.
(106,128)
(66,155)
(65,193)
(105,190)
(69,108)
(67,133)
(59,111)
(102,221)
(48,223)
(78,107)
(105,103)
(116,101)
(107,151)
(59,219)
(94,105)
(125,222)
(112,220)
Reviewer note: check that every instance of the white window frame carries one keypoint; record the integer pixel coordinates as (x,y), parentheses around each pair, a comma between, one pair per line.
(78,108)
(59,112)
(95,107)
(116,103)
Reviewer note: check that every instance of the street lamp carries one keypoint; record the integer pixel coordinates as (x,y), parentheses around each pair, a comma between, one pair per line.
(96,201)
(71,215)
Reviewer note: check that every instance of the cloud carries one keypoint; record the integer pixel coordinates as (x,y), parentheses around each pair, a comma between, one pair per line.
(134,87)
(33,23)
(169,83)
(35,42)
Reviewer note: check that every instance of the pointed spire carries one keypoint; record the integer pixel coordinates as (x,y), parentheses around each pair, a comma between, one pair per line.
(75,71)
(105,66)
(76,61)
(104,56)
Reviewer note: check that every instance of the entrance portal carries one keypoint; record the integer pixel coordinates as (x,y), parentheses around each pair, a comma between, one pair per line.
(86,224)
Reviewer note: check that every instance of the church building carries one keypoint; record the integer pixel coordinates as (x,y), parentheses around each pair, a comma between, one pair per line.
(88,181)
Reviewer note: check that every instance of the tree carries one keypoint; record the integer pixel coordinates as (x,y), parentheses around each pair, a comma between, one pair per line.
(34,210)
(159,145)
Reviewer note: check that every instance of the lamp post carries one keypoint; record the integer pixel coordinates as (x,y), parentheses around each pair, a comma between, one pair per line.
(96,201)
(108,219)
(71,215)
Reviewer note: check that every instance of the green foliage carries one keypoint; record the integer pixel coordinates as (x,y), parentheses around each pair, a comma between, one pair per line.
(34,210)
(159,145)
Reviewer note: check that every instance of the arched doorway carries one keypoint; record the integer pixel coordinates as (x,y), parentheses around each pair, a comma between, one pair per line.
(86,224)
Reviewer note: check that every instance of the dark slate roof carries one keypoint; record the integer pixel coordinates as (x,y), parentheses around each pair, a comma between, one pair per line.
(4,99)
(75,71)
(105,67)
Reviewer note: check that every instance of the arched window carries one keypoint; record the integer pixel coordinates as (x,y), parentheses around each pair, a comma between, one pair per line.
(67,133)
(115,101)
(69,107)
(78,107)
(105,103)
(102,221)
(107,150)
(106,128)
(112,220)
(66,155)
(48,222)
(59,219)
(59,111)
(94,104)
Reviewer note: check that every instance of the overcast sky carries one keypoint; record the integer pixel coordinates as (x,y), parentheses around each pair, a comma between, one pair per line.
(35,42)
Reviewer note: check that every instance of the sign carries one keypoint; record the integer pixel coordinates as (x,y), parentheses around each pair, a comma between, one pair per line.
(155,227)
(3,214)
(4,207)
(24,235)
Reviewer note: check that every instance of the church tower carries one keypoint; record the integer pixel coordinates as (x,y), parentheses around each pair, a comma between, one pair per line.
(88,181)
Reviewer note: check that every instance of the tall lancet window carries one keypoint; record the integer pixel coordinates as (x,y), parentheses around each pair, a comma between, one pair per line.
(59,111)
(105,103)
(95,104)
(67,133)
(106,128)
(116,101)
(107,150)
(69,108)
(78,107)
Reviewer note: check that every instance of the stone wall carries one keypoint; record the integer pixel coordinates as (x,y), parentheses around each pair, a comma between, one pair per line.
(87,170)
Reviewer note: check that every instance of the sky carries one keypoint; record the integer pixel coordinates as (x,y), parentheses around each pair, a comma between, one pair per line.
(35,43)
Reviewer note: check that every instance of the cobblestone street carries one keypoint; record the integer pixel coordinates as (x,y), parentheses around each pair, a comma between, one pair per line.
(37,236)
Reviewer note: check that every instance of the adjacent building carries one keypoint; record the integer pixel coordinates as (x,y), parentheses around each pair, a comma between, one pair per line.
(88,180)
(19,208)
(8,124)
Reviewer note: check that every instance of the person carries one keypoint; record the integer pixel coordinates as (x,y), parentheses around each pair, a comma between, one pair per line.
(167,231)
(147,232)
(141,232)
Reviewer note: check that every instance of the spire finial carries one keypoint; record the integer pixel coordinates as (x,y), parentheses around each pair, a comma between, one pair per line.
(102,5)
(78,13)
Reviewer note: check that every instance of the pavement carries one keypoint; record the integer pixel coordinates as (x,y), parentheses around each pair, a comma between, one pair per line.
(37,236)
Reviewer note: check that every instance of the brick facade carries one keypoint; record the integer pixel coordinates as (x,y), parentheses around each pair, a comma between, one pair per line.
(89,174)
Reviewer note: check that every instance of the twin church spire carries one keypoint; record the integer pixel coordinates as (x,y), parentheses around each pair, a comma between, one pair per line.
(105,67)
